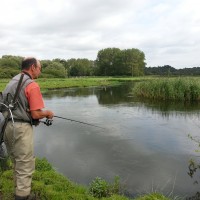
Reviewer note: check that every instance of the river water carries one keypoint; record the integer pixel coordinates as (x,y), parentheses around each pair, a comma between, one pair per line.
(146,144)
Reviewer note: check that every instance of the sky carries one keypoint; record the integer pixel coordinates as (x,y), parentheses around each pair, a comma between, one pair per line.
(167,31)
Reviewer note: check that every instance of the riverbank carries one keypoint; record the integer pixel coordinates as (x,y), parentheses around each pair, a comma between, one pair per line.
(59,83)
(49,185)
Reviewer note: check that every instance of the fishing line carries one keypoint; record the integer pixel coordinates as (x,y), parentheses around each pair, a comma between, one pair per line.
(72,120)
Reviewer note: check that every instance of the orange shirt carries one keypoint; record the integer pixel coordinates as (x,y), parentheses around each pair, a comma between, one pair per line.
(34,96)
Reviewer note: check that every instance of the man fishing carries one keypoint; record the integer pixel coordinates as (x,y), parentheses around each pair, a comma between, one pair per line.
(18,136)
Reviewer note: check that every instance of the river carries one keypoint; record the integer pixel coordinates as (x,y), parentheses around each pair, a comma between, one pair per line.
(146,144)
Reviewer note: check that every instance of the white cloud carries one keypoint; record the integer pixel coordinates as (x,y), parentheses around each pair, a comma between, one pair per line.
(167,31)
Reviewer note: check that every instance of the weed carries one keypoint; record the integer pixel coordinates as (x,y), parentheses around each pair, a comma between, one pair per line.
(100,188)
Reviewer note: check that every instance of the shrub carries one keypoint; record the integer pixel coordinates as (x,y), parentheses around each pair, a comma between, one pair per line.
(100,188)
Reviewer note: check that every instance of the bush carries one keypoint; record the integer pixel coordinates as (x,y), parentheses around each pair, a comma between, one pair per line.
(42,165)
(8,72)
(100,188)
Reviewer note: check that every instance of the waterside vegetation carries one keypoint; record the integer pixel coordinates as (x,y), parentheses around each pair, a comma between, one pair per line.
(59,83)
(186,89)
(49,185)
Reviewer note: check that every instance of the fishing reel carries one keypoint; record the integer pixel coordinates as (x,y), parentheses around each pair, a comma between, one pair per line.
(48,122)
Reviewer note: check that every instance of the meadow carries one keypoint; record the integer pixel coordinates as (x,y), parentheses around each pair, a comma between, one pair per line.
(59,83)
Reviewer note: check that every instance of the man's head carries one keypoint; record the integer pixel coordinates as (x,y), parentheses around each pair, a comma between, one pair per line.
(32,66)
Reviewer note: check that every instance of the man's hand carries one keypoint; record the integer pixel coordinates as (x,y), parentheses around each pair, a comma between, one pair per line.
(50,114)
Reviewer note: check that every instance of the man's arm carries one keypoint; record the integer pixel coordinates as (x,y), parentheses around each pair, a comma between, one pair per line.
(39,114)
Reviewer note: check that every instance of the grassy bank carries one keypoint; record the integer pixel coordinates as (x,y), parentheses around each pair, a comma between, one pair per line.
(56,83)
(49,185)
(181,89)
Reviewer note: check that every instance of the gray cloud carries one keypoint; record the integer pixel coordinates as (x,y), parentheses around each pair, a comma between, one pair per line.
(166,31)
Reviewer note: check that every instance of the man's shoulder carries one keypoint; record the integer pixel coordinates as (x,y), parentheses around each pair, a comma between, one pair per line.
(32,85)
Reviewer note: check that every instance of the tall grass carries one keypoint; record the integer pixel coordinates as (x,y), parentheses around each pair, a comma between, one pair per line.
(183,89)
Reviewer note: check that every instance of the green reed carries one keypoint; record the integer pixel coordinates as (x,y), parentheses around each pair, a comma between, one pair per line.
(184,89)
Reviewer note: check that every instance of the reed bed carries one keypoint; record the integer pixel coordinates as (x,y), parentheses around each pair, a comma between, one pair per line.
(181,89)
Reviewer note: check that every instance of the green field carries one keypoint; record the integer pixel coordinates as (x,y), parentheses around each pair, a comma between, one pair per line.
(56,83)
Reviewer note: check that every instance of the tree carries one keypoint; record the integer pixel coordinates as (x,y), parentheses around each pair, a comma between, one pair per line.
(165,70)
(55,69)
(9,66)
(106,61)
(8,61)
(81,67)
(134,62)
(62,61)
(113,61)
(45,63)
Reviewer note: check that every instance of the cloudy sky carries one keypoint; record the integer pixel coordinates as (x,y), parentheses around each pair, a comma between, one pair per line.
(167,31)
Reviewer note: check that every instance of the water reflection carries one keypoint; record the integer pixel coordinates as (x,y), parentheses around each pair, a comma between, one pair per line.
(194,168)
(145,143)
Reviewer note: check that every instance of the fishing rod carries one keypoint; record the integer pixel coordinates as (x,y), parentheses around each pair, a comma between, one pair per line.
(48,122)
(72,120)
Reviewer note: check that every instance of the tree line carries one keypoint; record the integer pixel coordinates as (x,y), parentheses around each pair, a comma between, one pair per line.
(168,70)
(109,62)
